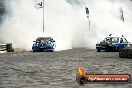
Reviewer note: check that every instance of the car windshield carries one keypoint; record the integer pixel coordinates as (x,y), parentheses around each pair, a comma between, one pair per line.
(112,39)
(43,40)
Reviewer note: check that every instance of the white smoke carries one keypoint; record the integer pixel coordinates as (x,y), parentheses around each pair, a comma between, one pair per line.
(66,22)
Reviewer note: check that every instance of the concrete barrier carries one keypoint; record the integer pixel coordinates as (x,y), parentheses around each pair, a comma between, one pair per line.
(6,47)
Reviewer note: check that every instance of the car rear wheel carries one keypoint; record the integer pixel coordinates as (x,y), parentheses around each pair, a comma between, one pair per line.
(98,50)
(50,50)
(34,50)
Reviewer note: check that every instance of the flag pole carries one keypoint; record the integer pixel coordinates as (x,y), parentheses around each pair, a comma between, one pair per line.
(43,16)
(88,21)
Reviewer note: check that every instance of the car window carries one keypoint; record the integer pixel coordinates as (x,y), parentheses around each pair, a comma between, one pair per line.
(112,39)
(44,40)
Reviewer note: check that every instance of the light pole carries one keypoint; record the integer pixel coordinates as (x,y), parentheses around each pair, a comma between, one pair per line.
(43,16)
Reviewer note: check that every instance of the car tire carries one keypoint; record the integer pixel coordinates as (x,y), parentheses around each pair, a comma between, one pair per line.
(119,49)
(50,50)
(34,51)
(81,80)
(98,50)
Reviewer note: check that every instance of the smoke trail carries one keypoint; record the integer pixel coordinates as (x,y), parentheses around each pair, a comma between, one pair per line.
(21,23)
(65,21)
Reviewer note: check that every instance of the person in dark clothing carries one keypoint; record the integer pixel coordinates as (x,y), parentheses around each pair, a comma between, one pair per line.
(121,41)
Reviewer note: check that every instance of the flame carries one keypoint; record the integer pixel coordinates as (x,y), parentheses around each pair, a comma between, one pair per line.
(81,70)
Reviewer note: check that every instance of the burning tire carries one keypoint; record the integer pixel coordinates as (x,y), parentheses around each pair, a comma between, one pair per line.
(81,80)
(126,53)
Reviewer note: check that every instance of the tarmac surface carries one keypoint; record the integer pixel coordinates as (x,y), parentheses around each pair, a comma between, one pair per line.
(58,69)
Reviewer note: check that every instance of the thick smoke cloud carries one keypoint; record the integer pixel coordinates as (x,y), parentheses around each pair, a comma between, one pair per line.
(65,21)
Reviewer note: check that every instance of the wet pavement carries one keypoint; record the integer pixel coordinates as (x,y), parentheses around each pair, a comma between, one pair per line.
(58,69)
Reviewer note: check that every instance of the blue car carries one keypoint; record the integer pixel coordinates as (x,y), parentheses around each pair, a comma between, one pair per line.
(44,44)
(112,44)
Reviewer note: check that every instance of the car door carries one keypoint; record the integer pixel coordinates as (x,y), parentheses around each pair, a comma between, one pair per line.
(122,43)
